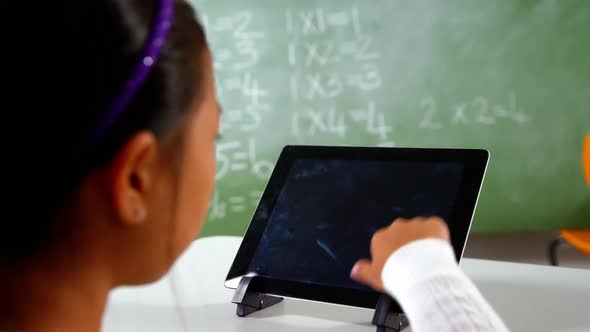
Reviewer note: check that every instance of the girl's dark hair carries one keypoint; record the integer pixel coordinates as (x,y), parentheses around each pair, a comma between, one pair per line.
(94,46)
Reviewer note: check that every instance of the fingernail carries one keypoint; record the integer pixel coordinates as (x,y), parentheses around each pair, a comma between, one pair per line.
(354,271)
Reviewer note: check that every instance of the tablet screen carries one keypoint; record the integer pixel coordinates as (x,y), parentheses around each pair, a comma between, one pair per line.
(328,210)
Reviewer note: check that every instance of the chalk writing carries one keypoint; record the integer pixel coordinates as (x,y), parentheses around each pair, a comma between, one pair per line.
(247,115)
(243,50)
(234,157)
(318,21)
(310,122)
(322,53)
(319,80)
(429,107)
(220,207)
(478,111)
(236,53)
(375,121)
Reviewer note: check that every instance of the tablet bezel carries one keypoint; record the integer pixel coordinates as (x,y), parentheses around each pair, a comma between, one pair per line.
(475,163)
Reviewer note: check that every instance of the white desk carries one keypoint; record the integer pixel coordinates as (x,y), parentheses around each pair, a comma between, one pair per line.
(528,297)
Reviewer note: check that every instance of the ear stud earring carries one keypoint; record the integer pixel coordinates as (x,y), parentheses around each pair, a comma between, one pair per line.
(140,213)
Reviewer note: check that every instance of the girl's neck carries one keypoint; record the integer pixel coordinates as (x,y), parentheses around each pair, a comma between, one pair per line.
(53,297)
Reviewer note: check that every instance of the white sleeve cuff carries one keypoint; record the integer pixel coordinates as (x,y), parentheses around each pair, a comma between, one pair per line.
(415,262)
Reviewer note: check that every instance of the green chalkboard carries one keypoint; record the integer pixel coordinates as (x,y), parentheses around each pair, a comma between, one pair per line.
(509,76)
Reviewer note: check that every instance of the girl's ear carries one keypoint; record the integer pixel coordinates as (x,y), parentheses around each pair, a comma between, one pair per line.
(130,176)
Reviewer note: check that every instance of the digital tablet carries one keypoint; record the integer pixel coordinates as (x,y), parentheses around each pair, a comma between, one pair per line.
(323,204)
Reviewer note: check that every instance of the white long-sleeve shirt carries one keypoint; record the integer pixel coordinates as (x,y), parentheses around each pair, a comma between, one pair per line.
(433,291)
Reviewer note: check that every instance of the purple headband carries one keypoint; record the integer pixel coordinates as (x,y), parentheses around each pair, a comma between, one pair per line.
(149,57)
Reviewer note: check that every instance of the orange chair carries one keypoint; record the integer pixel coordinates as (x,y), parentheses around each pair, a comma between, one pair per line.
(577,238)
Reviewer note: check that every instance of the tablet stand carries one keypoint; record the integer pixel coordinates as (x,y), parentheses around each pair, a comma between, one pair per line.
(248,301)
(387,320)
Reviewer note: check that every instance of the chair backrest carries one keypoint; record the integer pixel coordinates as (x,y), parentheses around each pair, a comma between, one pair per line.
(586,158)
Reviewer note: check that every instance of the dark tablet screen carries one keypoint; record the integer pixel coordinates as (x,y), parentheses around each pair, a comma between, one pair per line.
(328,210)
(323,204)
